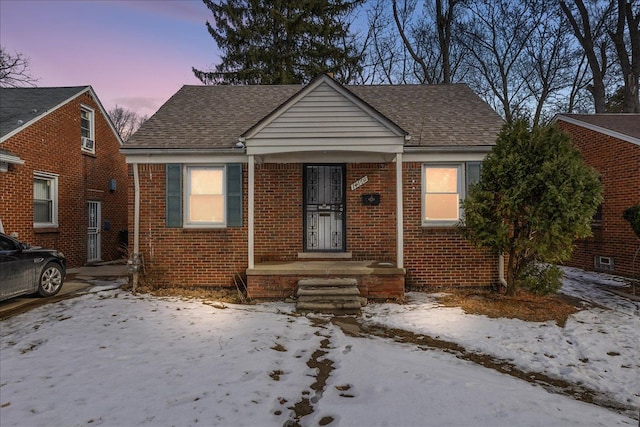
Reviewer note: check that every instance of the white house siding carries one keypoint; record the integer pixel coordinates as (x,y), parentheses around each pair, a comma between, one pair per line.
(325,119)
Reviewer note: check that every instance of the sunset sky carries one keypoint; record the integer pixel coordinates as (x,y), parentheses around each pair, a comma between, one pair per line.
(135,53)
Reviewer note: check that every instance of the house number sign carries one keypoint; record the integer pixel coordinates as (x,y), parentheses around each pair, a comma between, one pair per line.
(359,183)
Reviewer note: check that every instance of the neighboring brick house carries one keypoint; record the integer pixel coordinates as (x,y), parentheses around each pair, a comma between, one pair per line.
(276,183)
(63,181)
(610,143)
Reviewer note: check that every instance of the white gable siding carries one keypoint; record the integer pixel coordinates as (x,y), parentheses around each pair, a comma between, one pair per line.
(325,119)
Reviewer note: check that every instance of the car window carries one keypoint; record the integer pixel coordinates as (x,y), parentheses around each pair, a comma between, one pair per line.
(6,244)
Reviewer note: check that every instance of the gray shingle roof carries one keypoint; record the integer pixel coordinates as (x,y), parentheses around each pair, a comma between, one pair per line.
(201,117)
(18,106)
(624,123)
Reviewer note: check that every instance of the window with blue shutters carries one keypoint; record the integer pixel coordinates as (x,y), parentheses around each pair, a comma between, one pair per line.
(204,196)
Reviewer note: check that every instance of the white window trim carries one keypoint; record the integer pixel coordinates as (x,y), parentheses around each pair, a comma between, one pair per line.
(187,191)
(92,133)
(53,178)
(461,192)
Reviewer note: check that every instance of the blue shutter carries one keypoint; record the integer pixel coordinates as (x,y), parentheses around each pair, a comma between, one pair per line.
(174,195)
(234,195)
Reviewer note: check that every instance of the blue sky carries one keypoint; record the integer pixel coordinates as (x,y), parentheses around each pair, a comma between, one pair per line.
(135,53)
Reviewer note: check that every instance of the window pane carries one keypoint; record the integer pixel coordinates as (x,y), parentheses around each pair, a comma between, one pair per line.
(85,123)
(206,181)
(42,211)
(41,189)
(206,202)
(441,206)
(441,180)
(206,208)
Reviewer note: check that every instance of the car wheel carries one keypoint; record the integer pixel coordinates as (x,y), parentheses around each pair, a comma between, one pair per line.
(50,280)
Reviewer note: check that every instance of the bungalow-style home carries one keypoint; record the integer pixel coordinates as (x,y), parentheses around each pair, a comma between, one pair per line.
(278,184)
(610,143)
(63,180)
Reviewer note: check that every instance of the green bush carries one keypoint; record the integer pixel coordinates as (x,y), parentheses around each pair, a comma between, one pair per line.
(632,215)
(542,279)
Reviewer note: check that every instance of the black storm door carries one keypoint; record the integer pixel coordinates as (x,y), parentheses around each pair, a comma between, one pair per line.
(324,208)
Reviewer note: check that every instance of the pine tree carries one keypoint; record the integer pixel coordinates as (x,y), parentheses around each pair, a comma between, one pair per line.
(534,198)
(281,41)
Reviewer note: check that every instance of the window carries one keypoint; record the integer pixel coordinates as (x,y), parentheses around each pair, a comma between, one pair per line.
(204,196)
(444,186)
(87,129)
(45,200)
(441,198)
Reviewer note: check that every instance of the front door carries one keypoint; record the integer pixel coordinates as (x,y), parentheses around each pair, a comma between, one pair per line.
(93,231)
(324,208)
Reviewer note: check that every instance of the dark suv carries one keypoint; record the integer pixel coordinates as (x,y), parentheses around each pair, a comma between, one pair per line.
(28,270)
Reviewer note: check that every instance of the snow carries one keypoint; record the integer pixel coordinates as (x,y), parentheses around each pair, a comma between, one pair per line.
(111,358)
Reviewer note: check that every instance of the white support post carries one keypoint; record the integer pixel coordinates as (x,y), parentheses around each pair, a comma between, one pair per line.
(250,209)
(399,215)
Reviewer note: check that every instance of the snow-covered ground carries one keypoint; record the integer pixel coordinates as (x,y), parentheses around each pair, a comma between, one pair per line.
(110,358)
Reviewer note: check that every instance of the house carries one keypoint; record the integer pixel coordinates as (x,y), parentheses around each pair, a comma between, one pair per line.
(63,180)
(273,184)
(610,143)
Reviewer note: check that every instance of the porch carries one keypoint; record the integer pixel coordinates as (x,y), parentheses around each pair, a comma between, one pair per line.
(279,279)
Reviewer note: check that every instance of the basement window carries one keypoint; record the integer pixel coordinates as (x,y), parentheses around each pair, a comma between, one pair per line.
(604,263)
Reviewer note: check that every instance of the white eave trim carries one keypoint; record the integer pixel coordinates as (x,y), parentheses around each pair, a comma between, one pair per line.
(599,129)
(160,156)
(353,144)
(15,160)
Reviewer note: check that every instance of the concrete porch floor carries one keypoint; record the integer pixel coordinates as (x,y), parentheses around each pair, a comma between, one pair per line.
(333,267)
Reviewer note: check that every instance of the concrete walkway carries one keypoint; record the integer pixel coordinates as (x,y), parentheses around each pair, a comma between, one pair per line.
(77,281)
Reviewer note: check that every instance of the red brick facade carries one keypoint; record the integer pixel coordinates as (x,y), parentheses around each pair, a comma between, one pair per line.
(618,163)
(434,257)
(52,145)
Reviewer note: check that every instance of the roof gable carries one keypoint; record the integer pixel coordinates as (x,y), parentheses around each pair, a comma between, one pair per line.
(21,107)
(326,106)
(623,126)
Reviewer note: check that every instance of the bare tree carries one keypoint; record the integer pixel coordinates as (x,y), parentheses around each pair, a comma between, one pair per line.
(125,121)
(387,60)
(629,61)
(548,57)
(14,70)
(590,32)
(428,38)
(496,37)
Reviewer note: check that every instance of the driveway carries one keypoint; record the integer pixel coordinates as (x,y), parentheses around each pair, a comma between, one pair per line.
(78,281)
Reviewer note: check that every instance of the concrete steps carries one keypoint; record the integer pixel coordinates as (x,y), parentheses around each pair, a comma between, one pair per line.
(332,296)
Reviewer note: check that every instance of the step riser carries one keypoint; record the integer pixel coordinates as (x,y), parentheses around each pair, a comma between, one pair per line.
(332,291)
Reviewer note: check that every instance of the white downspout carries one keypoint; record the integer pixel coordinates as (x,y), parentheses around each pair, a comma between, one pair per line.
(399,214)
(136,227)
(250,208)
(501,278)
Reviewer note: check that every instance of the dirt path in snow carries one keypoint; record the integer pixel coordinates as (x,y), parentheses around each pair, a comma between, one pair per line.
(353,327)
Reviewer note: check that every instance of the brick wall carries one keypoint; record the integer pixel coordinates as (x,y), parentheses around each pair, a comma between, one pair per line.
(184,257)
(617,162)
(52,144)
(212,257)
(439,256)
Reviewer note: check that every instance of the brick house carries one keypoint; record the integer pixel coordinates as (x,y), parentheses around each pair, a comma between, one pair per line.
(277,183)
(610,143)
(63,180)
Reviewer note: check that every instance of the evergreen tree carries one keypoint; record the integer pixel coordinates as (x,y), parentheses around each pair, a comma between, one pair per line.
(534,198)
(281,41)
